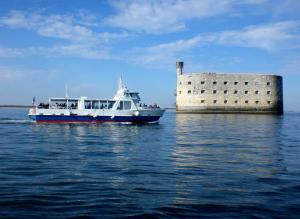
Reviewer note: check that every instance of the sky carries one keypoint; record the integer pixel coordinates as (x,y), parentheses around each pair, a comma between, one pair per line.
(86,45)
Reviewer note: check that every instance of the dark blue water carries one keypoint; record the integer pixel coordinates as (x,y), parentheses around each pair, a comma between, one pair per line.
(187,166)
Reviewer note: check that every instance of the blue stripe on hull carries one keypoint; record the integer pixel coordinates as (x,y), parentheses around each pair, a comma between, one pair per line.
(61,118)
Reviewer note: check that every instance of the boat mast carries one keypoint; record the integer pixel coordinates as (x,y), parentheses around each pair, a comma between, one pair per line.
(67,95)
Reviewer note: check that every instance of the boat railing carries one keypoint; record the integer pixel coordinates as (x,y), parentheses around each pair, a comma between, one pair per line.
(62,107)
(144,106)
(59,106)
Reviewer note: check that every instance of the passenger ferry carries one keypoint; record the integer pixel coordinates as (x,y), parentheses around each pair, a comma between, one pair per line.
(125,107)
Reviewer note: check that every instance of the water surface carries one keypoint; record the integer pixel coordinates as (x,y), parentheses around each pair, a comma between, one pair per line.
(187,166)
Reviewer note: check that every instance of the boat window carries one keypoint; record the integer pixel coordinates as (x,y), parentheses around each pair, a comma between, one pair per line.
(111,104)
(133,95)
(73,104)
(127,105)
(87,104)
(58,103)
(95,104)
(120,106)
(103,104)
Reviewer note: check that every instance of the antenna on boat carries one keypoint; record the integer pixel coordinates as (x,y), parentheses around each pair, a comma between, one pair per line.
(67,95)
(121,82)
(66,91)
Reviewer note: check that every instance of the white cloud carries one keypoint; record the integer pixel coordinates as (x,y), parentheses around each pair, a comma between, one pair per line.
(80,50)
(13,73)
(56,26)
(80,37)
(7,73)
(16,19)
(10,52)
(271,37)
(165,53)
(75,50)
(163,16)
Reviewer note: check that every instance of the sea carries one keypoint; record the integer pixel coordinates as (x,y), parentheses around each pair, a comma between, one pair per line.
(185,166)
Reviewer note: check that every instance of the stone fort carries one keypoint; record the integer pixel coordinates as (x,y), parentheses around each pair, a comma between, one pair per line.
(228,93)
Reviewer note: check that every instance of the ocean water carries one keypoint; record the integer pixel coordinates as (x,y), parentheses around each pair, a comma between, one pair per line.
(186,166)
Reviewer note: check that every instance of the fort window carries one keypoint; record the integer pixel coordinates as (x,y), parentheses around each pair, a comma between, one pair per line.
(202,91)
(214,82)
(189,91)
(215,101)
(235,101)
(225,91)
(225,82)
(268,83)
(256,102)
(179,92)
(268,92)
(256,92)
(246,92)
(180,83)
(214,91)
(202,82)
(235,91)
(202,101)
(269,102)
(225,101)
(189,82)
(246,83)
(235,83)
(246,101)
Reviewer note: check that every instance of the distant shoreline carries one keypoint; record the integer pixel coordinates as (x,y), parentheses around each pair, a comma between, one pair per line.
(15,106)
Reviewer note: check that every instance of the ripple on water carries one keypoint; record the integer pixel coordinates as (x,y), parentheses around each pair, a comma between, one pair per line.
(186,166)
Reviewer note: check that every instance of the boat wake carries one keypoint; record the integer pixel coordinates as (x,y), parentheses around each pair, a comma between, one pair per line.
(15,121)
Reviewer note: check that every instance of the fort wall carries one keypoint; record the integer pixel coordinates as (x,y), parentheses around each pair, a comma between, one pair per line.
(228,93)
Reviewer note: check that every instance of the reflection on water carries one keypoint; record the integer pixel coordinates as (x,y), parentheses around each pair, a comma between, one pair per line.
(221,155)
(188,165)
(237,140)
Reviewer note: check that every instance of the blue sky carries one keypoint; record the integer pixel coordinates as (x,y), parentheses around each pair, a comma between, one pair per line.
(88,44)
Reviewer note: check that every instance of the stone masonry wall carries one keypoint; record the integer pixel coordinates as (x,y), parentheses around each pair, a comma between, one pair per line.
(228,93)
